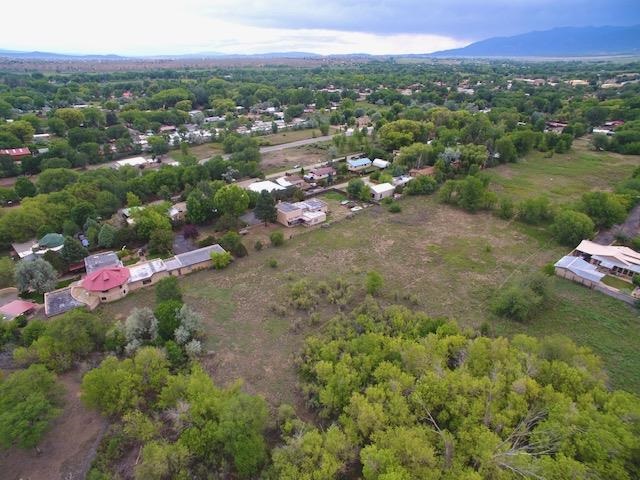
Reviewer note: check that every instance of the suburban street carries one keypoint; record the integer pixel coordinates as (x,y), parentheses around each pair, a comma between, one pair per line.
(284,146)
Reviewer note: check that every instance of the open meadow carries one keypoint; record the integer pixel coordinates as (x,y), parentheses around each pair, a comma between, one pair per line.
(433,258)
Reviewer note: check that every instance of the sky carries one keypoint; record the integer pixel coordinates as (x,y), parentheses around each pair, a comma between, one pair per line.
(162,27)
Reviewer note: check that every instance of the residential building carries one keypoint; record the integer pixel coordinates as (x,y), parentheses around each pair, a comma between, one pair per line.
(178,212)
(612,259)
(320,173)
(578,270)
(16,153)
(33,249)
(381,190)
(139,162)
(310,212)
(112,281)
(267,185)
(358,164)
(16,308)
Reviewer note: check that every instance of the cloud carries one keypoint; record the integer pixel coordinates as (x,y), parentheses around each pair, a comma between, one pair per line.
(136,27)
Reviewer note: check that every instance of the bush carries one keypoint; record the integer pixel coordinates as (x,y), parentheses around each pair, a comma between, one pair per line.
(505,209)
(232,242)
(422,185)
(258,245)
(168,289)
(395,207)
(373,283)
(570,227)
(276,238)
(535,210)
(522,300)
(273,263)
(221,259)
(207,241)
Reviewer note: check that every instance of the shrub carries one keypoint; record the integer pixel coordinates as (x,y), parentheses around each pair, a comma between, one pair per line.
(570,227)
(523,299)
(535,210)
(505,209)
(395,207)
(207,241)
(273,263)
(232,242)
(258,245)
(373,283)
(221,259)
(276,238)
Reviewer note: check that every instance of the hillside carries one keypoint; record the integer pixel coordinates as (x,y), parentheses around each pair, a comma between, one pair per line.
(558,42)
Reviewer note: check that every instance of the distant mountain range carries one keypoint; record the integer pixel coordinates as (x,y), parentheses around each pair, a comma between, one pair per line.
(558,42)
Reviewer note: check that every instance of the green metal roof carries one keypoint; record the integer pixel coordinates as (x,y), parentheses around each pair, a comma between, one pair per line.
(51,240)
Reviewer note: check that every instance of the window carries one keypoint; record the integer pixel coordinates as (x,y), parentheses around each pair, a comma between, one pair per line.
(146,282)
(103,298)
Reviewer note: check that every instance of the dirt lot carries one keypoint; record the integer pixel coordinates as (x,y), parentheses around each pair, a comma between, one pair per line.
(287,158)
(66,451)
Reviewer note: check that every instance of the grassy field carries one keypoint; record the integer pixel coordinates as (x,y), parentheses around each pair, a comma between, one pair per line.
(564,177)
(450,260)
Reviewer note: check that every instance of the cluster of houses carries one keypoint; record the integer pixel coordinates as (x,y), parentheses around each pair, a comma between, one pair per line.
(108,279)
(589,263)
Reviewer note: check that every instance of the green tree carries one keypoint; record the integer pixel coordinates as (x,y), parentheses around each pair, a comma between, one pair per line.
(168,289)
(162,460)
(355,188)
(133,200)
(571,227)
(25,188)
(29,400)
(265,209)
(161,241)
(167,315)
(158,144)
(73,251)
(55,179)
(37,275)
(72,117)
(221,260)
(107,236)
(7,272)
(276,238)
(604,208)
(506,149)
(231,200)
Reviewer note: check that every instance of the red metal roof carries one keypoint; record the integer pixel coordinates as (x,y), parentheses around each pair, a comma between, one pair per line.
(15,152)
(17,307)
(106,279)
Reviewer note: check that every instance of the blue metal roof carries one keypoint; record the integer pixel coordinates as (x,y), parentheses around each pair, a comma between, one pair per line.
(580,267)
(359,162)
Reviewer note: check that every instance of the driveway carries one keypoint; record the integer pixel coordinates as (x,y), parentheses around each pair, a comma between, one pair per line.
(181,244)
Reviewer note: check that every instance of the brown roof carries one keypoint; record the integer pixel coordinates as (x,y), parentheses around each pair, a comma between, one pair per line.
(323,171)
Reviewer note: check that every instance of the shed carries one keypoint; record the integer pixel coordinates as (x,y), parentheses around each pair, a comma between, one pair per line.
(379,163)
(382,190)
(18,307)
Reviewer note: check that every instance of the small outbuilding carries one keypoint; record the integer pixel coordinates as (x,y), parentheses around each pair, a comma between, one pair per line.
(382,190)
(18,307)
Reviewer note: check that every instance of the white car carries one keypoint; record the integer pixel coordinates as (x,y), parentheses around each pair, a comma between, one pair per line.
(356,209)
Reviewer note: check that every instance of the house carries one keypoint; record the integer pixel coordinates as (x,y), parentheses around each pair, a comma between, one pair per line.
(381,190)
(292,181)
(358,164)
(401,181)
(112,281)
(16,308)
(381,164)
(578,270)
(428,171)
(320,173)
(16,153)
(108,284)
(33,249)
(310,212)
(267,185)
(612,259)
(178,212)
(41,137)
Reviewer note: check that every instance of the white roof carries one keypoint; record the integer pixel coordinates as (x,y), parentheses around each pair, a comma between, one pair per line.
(313,215)
(381,187)
(145,270)
(616,254)
(378,162)
(133,162)
(283,182)
(579,267)
(267,185)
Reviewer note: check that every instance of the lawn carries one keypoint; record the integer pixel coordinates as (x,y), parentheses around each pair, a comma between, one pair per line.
(448,260)
(562,177)
(618,283)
